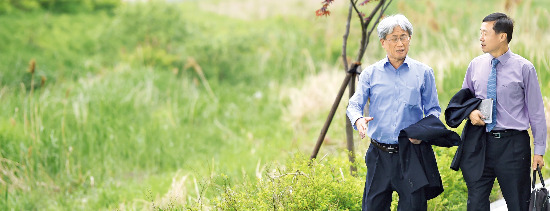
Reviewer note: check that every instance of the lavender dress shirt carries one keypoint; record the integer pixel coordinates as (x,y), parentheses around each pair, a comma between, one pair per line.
(519,99)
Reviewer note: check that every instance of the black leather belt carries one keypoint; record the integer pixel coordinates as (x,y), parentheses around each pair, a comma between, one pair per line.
(505,133)
(389,148)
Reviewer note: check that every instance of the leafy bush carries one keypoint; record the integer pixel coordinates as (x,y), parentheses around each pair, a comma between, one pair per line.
(301,184)
(327,184)
(455,194)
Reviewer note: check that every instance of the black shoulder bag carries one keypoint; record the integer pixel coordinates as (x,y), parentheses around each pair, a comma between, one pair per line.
(539,196)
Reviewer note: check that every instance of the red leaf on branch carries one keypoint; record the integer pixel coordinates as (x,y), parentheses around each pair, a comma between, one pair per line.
(323,10)
(363,15)
(364,2)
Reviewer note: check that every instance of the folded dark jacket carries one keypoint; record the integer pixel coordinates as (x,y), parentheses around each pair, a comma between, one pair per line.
(460,106)
(470,154)
(418,163)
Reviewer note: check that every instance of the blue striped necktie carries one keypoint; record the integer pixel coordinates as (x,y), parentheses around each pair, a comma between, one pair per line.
(492,92)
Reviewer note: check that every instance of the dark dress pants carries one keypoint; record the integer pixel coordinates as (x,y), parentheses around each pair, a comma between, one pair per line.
(509,160)
(383,177)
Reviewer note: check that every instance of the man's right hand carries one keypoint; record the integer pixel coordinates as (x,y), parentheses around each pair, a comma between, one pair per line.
(477,118)
(361,125)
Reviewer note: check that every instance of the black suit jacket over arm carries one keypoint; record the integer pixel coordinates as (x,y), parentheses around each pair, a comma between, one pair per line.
(418,163)
(470,154)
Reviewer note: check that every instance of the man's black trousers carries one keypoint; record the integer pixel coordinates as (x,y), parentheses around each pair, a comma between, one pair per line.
(509,160)
(383,177)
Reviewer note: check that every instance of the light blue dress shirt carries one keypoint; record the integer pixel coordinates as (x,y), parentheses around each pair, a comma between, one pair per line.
(398,98)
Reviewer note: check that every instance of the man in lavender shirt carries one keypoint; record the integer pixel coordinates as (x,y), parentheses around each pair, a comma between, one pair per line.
(519,106)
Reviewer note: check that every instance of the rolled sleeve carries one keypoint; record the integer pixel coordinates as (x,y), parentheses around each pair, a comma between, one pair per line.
(430,100)
(357,102)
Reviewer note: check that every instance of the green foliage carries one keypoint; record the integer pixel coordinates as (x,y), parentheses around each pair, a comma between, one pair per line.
(57,6)
(115,107)
(26,5)
(320,185)
(454,196)
(301,184)
(118,100)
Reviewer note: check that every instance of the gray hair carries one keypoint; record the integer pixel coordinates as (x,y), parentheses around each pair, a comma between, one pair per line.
(387,25)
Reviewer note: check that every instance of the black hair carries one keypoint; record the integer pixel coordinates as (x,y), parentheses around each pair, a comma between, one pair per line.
(503,24)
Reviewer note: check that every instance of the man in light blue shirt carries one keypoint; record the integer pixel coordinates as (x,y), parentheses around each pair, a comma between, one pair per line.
(401,91)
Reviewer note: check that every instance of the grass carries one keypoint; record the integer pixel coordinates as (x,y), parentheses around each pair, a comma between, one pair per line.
(137,112)
(116,117)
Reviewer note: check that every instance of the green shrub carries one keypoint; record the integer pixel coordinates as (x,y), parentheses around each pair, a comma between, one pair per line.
(455,194)
(327,184)
(324,184)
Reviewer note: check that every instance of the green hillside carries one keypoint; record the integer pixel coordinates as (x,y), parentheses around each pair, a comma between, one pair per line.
(210,104)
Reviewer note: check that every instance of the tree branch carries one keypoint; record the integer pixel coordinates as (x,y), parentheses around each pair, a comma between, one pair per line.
(363,31)
(376,22)
(364,37)
(345,38)
(351,71)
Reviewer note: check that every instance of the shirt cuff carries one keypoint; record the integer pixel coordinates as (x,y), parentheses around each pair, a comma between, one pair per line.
(353,123)
(539,150)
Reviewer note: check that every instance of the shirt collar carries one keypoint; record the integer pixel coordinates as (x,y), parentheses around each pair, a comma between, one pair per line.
(504,57)
(407,60)
(386,61)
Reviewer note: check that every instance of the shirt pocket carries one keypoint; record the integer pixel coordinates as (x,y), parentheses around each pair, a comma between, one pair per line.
(413,110)
(411,96)
(511,94)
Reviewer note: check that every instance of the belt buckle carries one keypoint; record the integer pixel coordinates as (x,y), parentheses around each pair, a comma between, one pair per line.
(390,149)
(496,135)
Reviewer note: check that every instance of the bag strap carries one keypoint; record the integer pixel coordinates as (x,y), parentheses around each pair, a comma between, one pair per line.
(535,178)
(540,176)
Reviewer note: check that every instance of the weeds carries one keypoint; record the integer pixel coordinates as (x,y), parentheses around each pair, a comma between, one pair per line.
(111,99)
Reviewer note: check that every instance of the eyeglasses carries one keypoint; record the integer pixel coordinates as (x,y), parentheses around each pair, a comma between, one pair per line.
(404,39)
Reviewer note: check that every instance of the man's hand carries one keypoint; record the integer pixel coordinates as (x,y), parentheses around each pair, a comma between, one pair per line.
(415,141)
(361,125)
(537,161)
(477,118)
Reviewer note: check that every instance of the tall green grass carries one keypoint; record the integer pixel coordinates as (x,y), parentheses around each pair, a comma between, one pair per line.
(120,109)
(116,117)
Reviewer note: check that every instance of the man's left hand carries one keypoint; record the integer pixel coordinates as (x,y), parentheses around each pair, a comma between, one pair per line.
(537,161)
(415,141)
